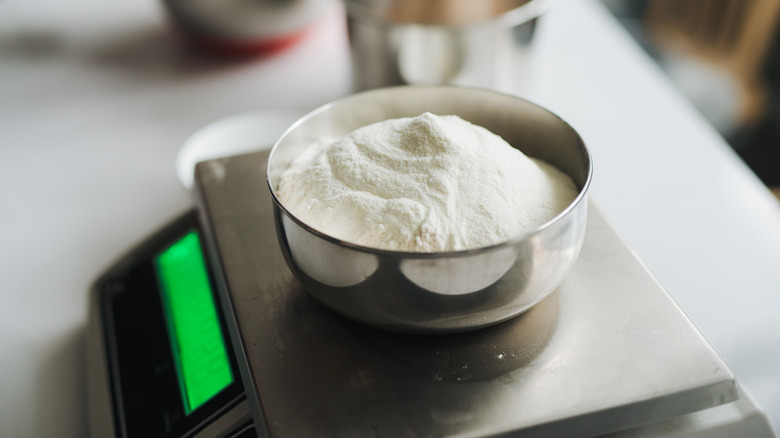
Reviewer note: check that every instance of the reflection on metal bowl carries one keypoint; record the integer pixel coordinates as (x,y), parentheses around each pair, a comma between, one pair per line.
(436,292)
(469,274)
(326,262)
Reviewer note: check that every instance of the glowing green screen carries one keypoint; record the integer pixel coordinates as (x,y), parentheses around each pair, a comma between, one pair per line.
(199,350)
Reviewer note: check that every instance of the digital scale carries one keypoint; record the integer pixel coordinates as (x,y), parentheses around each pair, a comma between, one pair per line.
(203,331)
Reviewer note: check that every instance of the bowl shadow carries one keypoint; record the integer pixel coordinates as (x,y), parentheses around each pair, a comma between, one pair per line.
(480,354)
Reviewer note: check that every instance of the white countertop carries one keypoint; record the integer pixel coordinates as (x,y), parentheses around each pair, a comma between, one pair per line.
(96,98)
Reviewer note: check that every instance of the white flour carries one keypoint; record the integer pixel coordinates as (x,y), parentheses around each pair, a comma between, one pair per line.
(423,184)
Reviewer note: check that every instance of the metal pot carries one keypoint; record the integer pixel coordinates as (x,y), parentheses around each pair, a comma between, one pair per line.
(428,42)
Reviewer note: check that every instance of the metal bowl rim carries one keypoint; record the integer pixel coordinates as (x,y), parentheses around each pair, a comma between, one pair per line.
(513,17)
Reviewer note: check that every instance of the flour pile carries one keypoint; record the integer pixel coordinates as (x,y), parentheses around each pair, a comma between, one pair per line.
(422,184)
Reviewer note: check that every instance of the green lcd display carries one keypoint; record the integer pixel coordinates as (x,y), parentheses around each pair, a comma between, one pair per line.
(199,350)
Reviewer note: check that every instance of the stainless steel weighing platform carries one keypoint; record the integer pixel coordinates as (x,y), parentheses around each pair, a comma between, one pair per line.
(608,351)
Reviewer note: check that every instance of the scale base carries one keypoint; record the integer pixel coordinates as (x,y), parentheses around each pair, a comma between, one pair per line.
(608,351)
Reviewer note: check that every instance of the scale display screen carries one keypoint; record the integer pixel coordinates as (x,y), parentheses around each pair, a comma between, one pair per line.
(171,366)
(197,343)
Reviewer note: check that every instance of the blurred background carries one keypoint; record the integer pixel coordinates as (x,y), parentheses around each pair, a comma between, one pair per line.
(723,55)
(97,98)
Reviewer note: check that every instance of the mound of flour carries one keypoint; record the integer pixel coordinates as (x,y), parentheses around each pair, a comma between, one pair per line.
(423,184)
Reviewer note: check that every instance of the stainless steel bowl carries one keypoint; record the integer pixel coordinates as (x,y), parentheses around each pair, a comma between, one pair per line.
(485,43)
(436,292)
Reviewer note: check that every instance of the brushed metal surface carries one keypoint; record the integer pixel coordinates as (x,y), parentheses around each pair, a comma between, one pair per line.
(607,351)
